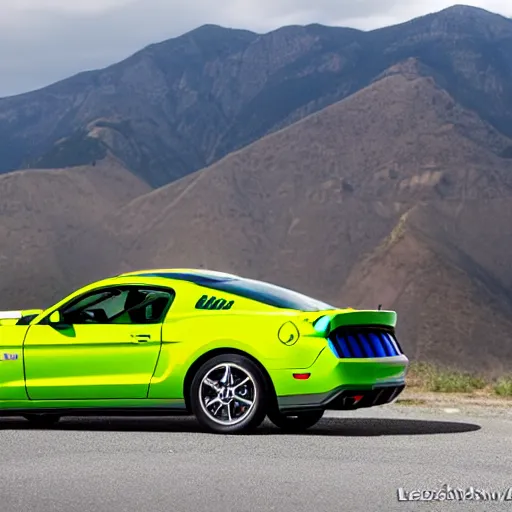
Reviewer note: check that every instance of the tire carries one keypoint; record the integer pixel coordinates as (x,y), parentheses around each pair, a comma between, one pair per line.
(218,384)
(296,423)
(42,419)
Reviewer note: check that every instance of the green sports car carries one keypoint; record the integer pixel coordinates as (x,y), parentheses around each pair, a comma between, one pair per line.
(226,349)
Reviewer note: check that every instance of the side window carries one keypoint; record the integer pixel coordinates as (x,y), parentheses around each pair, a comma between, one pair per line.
(143,307)
(119,306)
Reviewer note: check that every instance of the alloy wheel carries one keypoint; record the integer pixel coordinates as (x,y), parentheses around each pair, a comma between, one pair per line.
(228,394)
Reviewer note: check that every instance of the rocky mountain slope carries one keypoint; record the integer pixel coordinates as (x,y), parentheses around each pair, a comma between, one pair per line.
(382,198)
(183,104)
(41,211)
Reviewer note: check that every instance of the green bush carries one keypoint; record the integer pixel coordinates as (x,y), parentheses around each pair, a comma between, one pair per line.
(456,382)
(432,378)
(503,387)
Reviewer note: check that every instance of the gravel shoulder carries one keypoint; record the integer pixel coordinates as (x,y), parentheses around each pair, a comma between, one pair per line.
(477,404)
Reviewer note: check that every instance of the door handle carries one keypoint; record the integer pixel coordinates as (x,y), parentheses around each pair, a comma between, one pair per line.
(141,338)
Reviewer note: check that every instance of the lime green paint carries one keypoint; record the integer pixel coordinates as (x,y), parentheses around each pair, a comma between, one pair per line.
(110,365)
(28,312)
(8,321)
(169,404)
(12,379)
(55,317)
(90,361)
(385,318)
(328,373)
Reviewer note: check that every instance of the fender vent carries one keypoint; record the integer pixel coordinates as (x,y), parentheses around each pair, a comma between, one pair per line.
(364,342)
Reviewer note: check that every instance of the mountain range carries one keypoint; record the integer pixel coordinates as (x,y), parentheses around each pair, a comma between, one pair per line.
(363,168)
(178,106)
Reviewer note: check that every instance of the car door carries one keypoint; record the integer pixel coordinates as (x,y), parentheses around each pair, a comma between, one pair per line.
(105,346)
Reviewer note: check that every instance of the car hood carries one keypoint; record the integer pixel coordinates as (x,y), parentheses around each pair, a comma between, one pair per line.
(12,317)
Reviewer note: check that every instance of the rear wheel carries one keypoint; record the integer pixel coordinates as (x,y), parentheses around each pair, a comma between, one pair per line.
(42,420)
(296,423)
(228,394)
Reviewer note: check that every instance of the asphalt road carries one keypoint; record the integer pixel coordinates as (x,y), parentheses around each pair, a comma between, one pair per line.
(351,462)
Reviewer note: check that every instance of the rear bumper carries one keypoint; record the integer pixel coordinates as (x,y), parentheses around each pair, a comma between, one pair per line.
(341,384)
(344,399)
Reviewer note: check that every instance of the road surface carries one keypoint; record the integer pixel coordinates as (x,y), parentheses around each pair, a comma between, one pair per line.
(350,462)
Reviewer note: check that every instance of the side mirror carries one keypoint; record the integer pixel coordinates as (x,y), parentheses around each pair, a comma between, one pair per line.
(57,322)
(55,318)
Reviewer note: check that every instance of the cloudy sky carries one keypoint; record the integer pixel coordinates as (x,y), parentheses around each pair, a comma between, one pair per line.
(42,41)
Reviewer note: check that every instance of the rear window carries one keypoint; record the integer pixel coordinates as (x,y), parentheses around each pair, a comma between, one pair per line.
(269,294)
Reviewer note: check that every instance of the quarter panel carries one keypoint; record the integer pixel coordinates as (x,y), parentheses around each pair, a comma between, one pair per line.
(188,337)
(176,359)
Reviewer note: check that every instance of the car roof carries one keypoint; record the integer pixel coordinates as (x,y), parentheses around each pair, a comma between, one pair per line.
(260,291)
(187,274)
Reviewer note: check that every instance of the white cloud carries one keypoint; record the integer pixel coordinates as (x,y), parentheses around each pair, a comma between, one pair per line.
(42,41)
(62,5)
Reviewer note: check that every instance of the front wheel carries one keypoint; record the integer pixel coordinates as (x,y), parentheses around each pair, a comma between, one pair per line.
(42,420)
(229,394)
(295,423)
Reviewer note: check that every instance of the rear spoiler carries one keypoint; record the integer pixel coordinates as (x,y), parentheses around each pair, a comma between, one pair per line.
(326,321)
(370,317)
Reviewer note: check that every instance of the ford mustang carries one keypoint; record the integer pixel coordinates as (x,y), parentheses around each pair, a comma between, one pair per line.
(223,348)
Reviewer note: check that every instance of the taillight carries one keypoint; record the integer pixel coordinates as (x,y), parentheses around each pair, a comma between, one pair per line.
(322,324)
